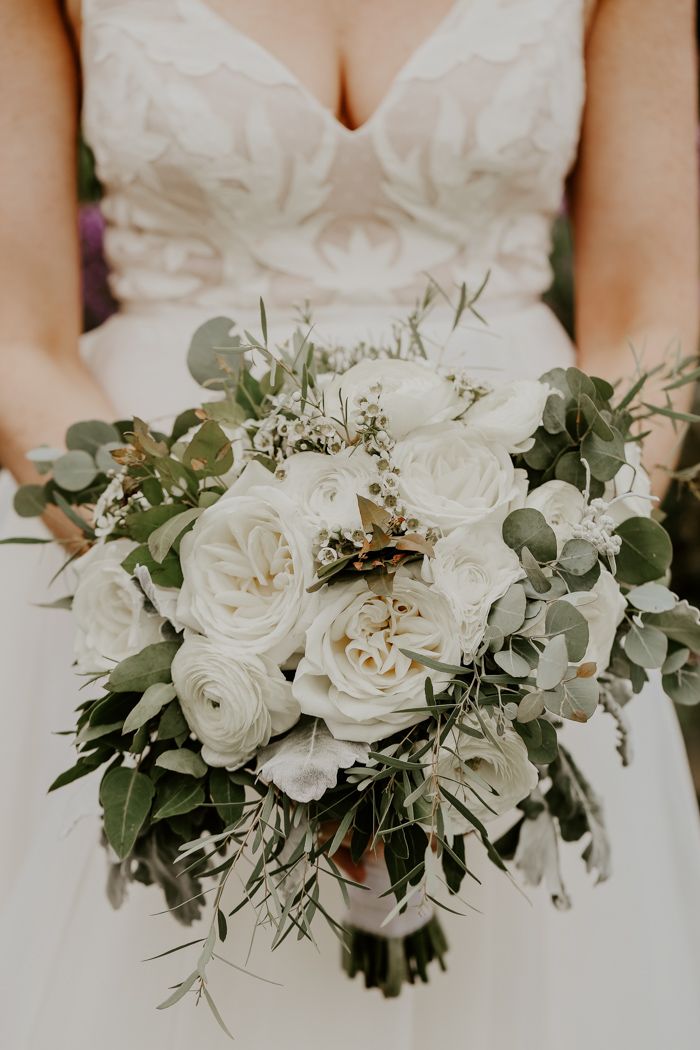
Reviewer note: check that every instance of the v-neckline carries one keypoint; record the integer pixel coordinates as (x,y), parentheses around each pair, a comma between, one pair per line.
(226,25)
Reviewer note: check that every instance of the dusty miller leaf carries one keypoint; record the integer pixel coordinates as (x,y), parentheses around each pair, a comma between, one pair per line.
(305,763)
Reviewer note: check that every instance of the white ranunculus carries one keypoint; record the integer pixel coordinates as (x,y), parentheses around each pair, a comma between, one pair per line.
(109,611)
(232,706)
(326,487)
(413,394)
(246,565)
(563,506)
(633,484)
(452,476)
(510,414)
(482,774)
(603,608)
(472,568)
(354,675)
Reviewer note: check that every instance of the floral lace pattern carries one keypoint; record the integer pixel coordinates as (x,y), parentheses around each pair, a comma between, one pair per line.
(225,179)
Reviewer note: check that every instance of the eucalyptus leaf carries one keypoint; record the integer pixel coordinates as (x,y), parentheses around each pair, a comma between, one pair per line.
(508,613)
(681,624)
(527,527)
(553,664)
(212,345)
(151,703)
(151,665)
(605,458)
(565,619)
(675,660)
(162,539)
(91,434)
(512,664)
(646,646)
(531,706)
(175,796)
(683,687)
(30,501)
(577,557)
(125,795)
(646,551)
(182,760)
(652,598)
(74,471)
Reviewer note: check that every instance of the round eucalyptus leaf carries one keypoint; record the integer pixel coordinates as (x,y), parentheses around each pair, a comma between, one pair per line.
(646,551)
(546,448)
(211,345)
(646,646)
(675,660)
(527,527)
(579,383)
(683,687)
(564,619)
(531,706)
(508,613)
(30,501)
(570,468)
(578,557)
(605,458)
(75,470)
(90,435)
(512,664)
(652,598)
(554,663)
(43,454)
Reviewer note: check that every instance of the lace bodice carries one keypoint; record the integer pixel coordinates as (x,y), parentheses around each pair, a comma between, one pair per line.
(225,179)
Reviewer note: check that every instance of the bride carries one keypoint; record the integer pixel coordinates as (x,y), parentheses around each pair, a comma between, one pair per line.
(336,152)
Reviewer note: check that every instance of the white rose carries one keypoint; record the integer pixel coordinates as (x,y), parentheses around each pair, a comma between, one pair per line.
(452,476)
(603,608)
(232,706)
(326,487)
(109,611)
(633,484)
(563,506)
(354,675)
(482,774)
(246,565)
(412,395)
(472,568)
(510,414)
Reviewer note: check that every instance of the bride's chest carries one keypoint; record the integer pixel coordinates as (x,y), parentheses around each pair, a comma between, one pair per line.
(180,102)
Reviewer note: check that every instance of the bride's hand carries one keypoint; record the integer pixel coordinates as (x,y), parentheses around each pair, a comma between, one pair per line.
(355,870)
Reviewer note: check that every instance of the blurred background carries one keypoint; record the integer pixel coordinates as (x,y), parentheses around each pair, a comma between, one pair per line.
(682,507)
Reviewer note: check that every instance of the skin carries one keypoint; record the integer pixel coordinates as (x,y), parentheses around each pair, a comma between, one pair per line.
(634,192)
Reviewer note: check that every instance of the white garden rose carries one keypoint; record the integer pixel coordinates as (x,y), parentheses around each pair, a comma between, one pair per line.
(354,675)
(326,487)
(603,608)
(412,394)
(232,706)
(562,504)
(246,565)
(510,414)
(109,611)
(452,476)
(472,568)
(633,485)
(488,778)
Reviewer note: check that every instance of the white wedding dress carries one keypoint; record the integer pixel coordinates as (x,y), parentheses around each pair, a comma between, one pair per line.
(227,180)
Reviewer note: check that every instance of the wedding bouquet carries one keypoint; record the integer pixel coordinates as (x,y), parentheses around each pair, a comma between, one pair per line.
(341,612)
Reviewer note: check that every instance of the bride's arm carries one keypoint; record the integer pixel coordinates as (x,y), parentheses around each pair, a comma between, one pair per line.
(43,384)
(635,202)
